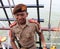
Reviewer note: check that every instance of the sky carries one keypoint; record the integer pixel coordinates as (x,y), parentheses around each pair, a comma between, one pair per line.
(44,12)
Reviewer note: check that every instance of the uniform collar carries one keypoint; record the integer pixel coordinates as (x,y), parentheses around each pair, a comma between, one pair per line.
(27,24)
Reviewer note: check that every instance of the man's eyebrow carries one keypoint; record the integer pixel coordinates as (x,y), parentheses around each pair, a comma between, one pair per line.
(21,13)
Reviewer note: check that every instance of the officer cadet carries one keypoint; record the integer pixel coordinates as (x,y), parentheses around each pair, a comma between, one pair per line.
(24,30)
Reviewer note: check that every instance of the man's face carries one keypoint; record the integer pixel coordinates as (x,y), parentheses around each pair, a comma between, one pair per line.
(21,17)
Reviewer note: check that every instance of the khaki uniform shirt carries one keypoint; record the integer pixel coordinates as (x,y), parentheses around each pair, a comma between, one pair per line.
(25,33)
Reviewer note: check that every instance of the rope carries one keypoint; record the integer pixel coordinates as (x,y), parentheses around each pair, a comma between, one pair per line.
(10,6)
(13,2)
(59,26)
(49,24)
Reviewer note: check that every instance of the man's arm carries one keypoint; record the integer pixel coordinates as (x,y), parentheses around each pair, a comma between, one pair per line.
(12,40)
(42,39)
(39,32)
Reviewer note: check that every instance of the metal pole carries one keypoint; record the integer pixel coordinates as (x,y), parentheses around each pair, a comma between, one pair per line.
(49,23)
(10,6)
(29,6)
(13,2)
(37,2)
(5,11)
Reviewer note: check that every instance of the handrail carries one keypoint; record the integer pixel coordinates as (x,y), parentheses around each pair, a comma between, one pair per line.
(42,28)
(12,19)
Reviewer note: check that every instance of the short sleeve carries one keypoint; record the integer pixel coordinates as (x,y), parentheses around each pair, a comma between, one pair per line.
(12,35)
(37,28)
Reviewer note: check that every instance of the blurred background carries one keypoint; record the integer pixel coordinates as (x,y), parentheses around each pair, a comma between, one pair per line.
(51,37)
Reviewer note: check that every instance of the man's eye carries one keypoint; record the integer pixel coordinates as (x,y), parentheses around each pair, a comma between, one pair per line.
(22,14)
(17,14)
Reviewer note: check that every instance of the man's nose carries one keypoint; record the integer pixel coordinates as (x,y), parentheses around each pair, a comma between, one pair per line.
(20,17)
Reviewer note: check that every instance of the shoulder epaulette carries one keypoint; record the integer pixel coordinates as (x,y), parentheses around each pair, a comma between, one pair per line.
(32,21)
(13,24)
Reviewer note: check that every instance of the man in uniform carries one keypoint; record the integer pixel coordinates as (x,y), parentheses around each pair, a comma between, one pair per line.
(24,30)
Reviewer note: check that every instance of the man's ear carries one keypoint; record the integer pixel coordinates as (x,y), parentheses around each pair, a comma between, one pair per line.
(26,14)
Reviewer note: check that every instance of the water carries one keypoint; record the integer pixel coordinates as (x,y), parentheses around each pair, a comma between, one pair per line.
(49,42)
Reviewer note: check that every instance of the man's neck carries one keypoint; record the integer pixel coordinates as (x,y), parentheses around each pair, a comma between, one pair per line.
(21,23)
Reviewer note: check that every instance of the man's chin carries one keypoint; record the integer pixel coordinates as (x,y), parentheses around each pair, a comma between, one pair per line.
(21,22)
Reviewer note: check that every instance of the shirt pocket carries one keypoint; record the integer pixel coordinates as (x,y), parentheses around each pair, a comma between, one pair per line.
(17,33)
(28,34)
